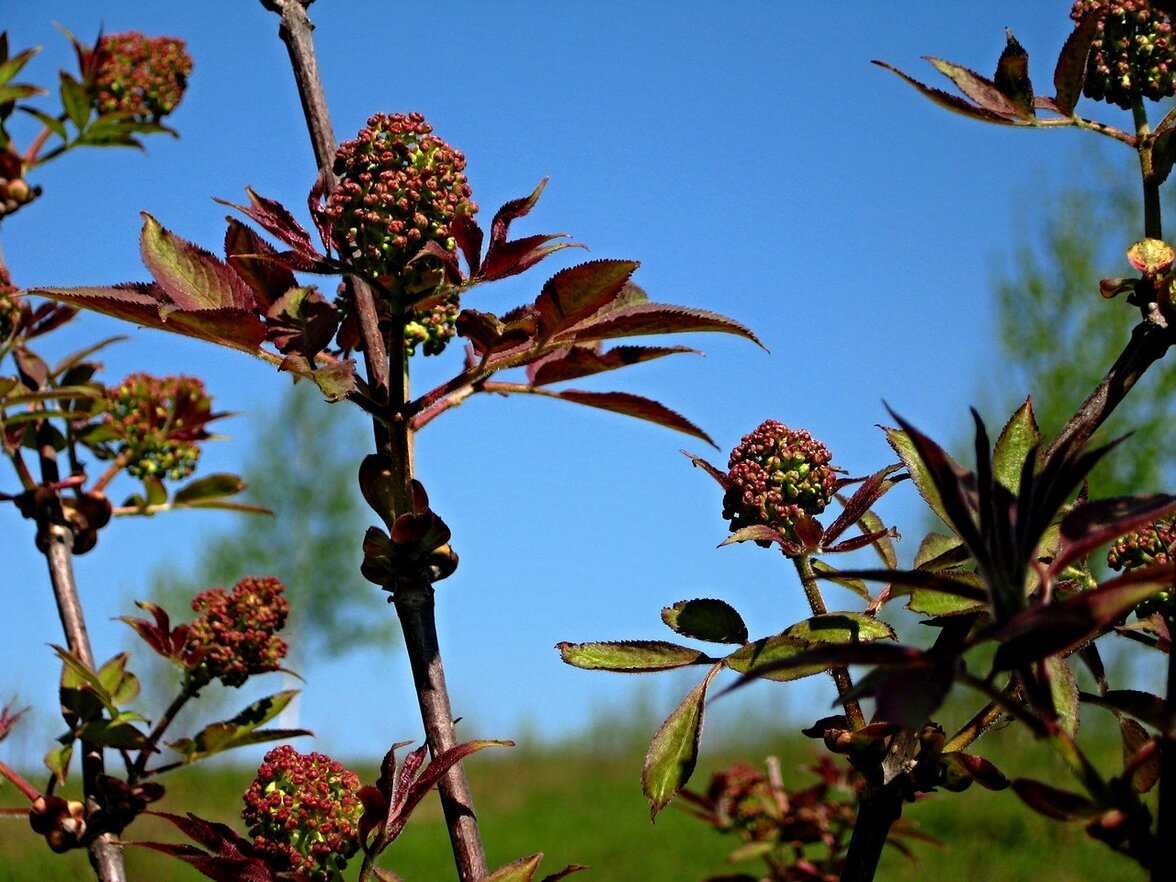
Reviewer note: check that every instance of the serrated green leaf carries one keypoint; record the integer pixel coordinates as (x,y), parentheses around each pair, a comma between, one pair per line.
(241,730)
(12,66)
(840,627)
(215,486)
(121,685)
(1017,440)
(712,620)
(630,656)
(832,574)
(767,650)
(901,444)
(52,123)
(76,101)
(673,752)
(1064,692)
(522,870)
(18,92)
(75,675)
(927,602)
(938,552)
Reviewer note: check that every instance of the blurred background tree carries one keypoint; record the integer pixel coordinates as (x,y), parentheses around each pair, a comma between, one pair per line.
(310,543)
(1057,334)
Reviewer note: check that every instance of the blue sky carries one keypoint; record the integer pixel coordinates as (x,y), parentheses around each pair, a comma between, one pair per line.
(747,154)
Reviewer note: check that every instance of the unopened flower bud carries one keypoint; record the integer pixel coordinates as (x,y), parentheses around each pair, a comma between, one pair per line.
(1132,54)
(777,475)
(157,423)
(303,813)
(142,77)
(236,635)
(1148,547)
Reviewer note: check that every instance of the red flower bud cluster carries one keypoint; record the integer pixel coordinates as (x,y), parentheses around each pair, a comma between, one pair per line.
(1148,547)
(157,424)
(1132,55)
(142,77)
(303,813)
(743,801)
(777,475)
(236,635)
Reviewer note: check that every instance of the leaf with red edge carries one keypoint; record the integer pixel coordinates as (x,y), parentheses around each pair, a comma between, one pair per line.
(230,856)
(1061,805)
(630,656)
(981,90)
(301,321)
(1050,629)
(434,772)
(277,220)
(716,473)
(673,752)
(951,102)
(582,361)
(468,236)
(520,255)
(192,278)
(1070,71)
(254,261)
(575,293)
(1012,77)
(983,772)
(858,506)
(638,407)
(649,319)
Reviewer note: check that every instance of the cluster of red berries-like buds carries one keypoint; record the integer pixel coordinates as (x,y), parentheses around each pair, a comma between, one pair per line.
(157,423)
(743,802)
(15,193)
(1132,55)
(236,635)
(1149,547)
(141,77)
(776,476)
(303,813)
(399,188)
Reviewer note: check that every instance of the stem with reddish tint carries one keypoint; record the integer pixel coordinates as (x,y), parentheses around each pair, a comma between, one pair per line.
(387,372)
(55,538)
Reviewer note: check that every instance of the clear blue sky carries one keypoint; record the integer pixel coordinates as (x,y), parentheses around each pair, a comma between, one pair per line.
(747,154)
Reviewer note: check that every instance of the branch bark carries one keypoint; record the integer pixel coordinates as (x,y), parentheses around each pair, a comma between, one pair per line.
(386,367)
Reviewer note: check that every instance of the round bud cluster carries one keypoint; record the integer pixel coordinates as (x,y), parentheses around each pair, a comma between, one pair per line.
(432,329)
(236,635)
(399,188)
(142,77)
(1148,547)
(777,475)
(742,799)
(10,305)
(1132,55)
(303,813)
(158,422)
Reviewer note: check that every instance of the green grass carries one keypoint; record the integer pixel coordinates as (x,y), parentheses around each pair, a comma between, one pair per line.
(581,806)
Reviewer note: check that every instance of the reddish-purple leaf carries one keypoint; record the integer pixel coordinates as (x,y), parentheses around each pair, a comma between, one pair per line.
(978,769)
(1143,706)
(575,293)
(857,506)
(192,278)
(1012,77)
(1061,805)
(1070,72)
(582,361)
(764,533)
(717,474)
(510,212)
(230,856)
(276,219)
(951,102)
(520,255)
(637,407)
(434,772)
(1141,755)
(468,236)
(647,319)
(254,260)
(981,90)
(1053,628)
(301,322)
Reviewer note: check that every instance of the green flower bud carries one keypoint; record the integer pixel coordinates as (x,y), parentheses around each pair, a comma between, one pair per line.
(158,423)
(1147,547)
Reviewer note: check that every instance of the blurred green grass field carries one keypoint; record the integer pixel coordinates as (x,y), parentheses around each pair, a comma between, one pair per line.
(580,804)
